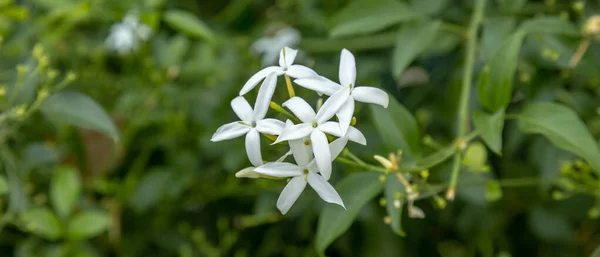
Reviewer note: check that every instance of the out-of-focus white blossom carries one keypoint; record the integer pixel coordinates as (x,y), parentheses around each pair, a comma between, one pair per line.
(269,47)
(127,35)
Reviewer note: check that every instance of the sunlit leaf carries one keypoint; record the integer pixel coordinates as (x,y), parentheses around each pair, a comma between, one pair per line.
(42,222)
(490,128)
(366,16)
(88,224)
(79,110)
(356,190)
(64,190)
(187,23)
(413,39)
(563,128)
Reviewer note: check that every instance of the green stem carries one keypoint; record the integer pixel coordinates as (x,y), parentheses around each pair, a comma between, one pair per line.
(466,89)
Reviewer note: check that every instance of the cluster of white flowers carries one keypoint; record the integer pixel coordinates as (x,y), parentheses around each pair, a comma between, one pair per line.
(126,36)
(308,144)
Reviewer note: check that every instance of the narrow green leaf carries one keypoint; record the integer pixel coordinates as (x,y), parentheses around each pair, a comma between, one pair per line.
(42,222)
(435,158)
(88,224)
(561,126)
(356,190)
(187,23)
(549,25)
(413,39)
(393,204)
(495,30)
(367,16)
(398,129)
(490,128)
(3,185)
(65,190)
(79,110)
(496,81)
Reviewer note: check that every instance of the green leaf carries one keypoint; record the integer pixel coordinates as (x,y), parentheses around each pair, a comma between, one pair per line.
(367,16)
(549,25)
(413,39)
(490,128)
(79,110)
(398,128)
(496,81)
(38,154)
(88,224)
(3,185)
(511,5)
(596,252)
(393,187)
(150,190)
(65,190)
(428,7)
(493,191)
(187,23)
(356,190)
(561,126)
(434,158)
(42,222)
(550,226)
(495,30)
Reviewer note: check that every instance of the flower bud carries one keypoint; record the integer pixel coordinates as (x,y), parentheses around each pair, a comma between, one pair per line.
(247,173)
(592,26)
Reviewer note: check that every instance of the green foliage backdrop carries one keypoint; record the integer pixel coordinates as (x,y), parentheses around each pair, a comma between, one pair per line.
(108,107)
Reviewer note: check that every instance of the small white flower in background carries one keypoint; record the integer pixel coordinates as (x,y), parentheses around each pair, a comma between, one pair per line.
(286,66)
(269,47)
(347,81)
(302,173)
(252,121)
(127,35)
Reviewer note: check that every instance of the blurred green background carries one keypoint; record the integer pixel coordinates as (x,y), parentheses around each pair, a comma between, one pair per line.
(108,107)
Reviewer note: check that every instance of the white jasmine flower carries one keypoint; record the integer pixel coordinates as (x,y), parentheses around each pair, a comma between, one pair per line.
(126,36)
(286,66)
(252,121)
(347,76)
(302,173)
(315,126)
(270,47)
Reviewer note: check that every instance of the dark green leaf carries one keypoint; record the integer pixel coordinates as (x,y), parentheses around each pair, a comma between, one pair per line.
(398,128)
(428,7)
(367,16)
(496,81)
(495,30)
(185,22)
(393,188)
(64,190)
(42,222)
(490,128)
(563,128)
(79,110)
(3,185)
(413,39)
(356,190)
(88,224)
(550,226)
(549,25)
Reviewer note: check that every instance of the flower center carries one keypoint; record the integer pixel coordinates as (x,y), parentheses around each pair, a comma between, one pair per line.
(314,124)
(307,142)
(305,171)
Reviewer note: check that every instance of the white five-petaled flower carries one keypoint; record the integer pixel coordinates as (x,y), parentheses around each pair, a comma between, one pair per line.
(252,121)
(286,66)
(314,126)
(126,36)
(302,173)
(347,76)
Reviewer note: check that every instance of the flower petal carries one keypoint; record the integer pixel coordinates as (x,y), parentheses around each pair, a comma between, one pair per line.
(301,109)
(331,128)
(371,95)
(265,93)
(300,71)
(242,108)
(287,57)
(290,194)
(347,68)
(320,148)
(345,114)
(324,189)
(253,147)
(251,83)
(295,132)
(356,136)
(280,169)
(332,105)
(229,131)
(319,84)
(337,146)
(270,126)
(300,151)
